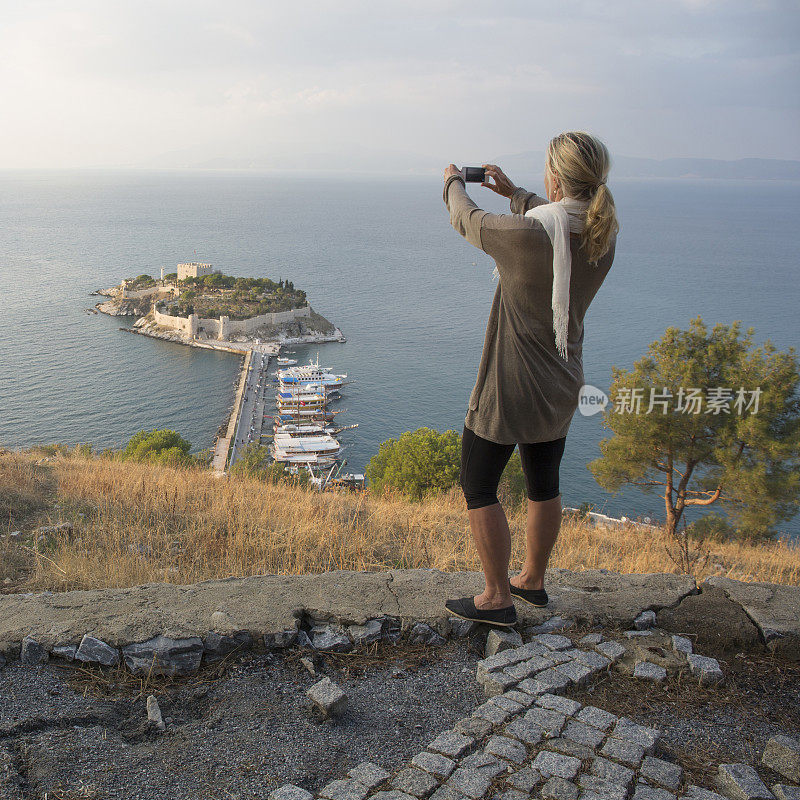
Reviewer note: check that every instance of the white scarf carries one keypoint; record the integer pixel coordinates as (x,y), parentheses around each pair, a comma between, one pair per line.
(560,219)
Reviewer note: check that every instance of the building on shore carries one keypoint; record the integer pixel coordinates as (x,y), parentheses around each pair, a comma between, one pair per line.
(194,269)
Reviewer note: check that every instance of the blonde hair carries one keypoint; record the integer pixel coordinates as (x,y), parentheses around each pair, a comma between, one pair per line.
(581,163)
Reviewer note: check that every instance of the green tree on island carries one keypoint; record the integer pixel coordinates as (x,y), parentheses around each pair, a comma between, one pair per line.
(707,418)
(158,447)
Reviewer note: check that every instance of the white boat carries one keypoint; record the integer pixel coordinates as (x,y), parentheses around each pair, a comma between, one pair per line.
(301,458)
(303,429)
(322,444)
(310,373)
(286,362)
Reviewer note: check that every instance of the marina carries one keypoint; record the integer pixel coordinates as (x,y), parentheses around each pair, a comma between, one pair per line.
(297,419)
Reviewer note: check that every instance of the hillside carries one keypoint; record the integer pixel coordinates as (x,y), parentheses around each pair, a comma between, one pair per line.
(75,522)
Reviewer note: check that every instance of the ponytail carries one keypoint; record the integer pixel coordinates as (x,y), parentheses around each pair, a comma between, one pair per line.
(601,224)
(581,162)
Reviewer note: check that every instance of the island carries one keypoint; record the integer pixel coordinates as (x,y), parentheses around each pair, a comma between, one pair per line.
(200,306)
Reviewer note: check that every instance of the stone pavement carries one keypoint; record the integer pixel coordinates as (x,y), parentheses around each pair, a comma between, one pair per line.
(528,740)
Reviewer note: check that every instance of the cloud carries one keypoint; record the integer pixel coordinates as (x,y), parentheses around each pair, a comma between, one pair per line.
(97,83)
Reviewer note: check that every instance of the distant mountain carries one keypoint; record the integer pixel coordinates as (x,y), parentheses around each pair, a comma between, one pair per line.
(629,167)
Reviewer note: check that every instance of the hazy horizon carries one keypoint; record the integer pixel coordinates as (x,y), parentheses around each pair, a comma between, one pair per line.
(89,84)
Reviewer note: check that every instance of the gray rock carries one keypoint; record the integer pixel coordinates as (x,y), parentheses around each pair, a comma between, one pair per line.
(505,748)
(365,634)
(425,634)
(782,754)
(563,705)
(474,780)
(645,620)
(461,627)
(553,641)
(328,697)
(154,713)
(612,772)
(533,687)
(698,793)
(649,672)
(344,790)
(330,639)
(611,650)
(492,713)
(524,779)
(447,792)
(485,763)
(217,645)
(506,703)
(741,782)
(784,792)
(522,698)
(645,792)
(527,669)
(496,683)
(528,732)
(558,789)
(290,792)
(590,640)
(554,680)
(549,764)
(645,737)
(596,717)
(368,774)
(498,641)
(435,763)
(415,782)
(624,751)
(550,626)
(92,649)
(451,744)
(706,669)
(499,661)
(680,644)
(280,640)
(635,634)
(162,655)
(473,727)
(661,773)
(65,651)
(32,653)
(583,734)
(551,722)
(394,794)
(603,788)
(578,674)
(569,748)
(592,659)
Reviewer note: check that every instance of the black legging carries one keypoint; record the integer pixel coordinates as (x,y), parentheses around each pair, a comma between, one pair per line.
(483,462)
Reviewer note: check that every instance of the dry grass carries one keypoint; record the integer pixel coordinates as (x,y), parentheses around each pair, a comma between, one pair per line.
(135,524)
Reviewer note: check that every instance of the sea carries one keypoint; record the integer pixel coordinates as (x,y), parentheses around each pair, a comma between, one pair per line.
(376,255)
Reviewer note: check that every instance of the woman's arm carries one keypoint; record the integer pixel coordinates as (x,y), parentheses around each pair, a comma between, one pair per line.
(465,216)
(522,201)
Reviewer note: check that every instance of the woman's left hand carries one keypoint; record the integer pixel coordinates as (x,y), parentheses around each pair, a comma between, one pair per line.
(451,170)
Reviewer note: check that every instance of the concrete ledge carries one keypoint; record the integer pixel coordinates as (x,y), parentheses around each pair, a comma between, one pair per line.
(270,604)
(774,609)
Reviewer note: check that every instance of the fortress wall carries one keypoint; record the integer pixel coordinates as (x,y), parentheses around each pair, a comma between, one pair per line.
(184,324)
(224,327)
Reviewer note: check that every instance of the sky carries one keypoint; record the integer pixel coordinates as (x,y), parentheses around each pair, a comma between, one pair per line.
(379,85)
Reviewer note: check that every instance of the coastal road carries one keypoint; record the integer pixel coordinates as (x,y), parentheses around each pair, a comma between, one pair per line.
(254,402)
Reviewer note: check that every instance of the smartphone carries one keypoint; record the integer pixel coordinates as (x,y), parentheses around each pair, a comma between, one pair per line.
(474,174)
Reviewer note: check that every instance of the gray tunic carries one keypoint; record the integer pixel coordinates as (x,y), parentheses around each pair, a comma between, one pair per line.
(525,391)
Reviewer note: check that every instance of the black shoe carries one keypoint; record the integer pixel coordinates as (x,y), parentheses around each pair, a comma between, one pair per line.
(465,608)
(533,597)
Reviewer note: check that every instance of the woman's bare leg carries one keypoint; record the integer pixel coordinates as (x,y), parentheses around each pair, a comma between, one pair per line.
(544,522)
(492,537)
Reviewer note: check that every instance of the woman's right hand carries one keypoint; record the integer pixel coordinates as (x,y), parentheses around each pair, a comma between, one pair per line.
(502,185)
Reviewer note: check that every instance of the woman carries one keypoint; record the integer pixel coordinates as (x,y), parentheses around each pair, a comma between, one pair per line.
(551,259)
